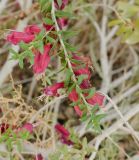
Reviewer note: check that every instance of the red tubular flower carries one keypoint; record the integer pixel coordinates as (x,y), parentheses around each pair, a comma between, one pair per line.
(62,22)
(85,84)
(78,110)
(41,61)
(64,3)
(28,127)
(83,71)
(17,37)
(52,90)
(3,127)
(62,130)
(32,29)
(73,96)
(96,99)
(39,157)
(48,27)
(64,134)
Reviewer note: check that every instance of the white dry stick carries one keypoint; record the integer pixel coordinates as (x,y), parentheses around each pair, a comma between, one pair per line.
(10,64)
(103,54)
(126,94)
(94,23)
(122,117)
(97,144)
(112,129)
(111,33)
(31,89)
(103,48)
(121,79)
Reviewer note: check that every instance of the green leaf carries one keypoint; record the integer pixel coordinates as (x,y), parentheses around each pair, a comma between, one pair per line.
(31,57)
(84,117)
(25,135)
(89,125)
(23,45)
(21,64)
(14,135)
(81,78)
(91,93)
(39,36)
(127,10)
(61,14)
(45,5)
(82,106)
(48,21)
(48,80)
(71,87)
(133,38)
(50,39)
(74,103)
(70,48)
(114,22)
(99,117)
(68,34)
(78,90)
(3,138)
(15,55)
(68,77)
(76,61)
(9,144)
(94,109)
(41,46)
(123,29)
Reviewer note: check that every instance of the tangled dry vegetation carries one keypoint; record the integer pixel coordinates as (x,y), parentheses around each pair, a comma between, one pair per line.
(116,74)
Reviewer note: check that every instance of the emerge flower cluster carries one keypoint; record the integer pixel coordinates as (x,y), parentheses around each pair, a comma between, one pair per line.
(80,68)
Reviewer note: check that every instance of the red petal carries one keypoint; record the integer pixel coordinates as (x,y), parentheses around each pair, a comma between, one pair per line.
(41,61)
(85,84)
(32,29)
(83,71)
(64,3)
(66,141)
(62,22)
(48,27)
(3,127)
(64,134)
(78,110)
(52,90)
(16,37)
(73,96)
(28,127)
(62,130)
(39,157)
(96,99)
